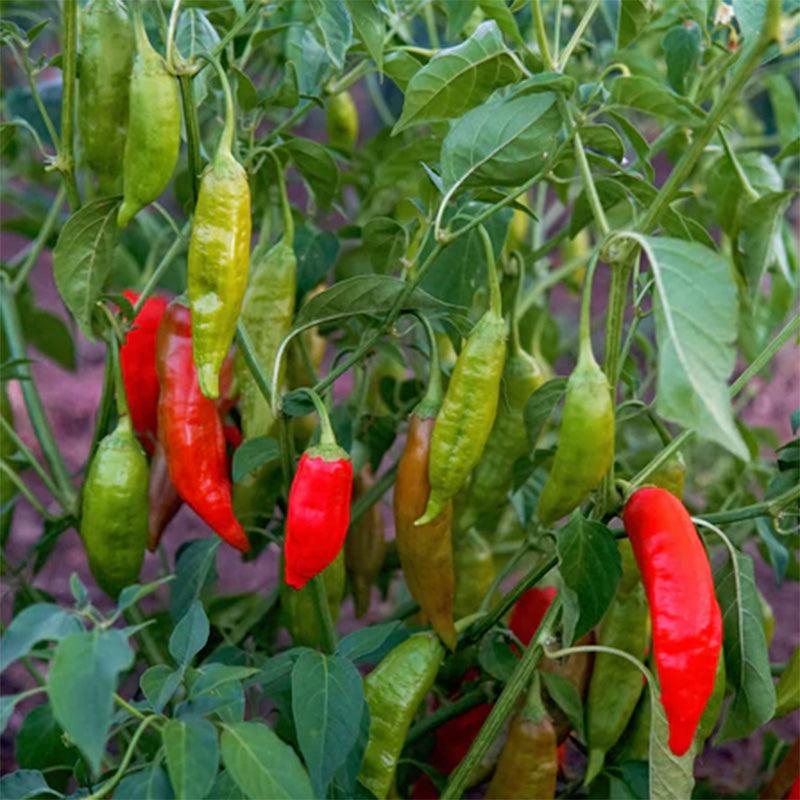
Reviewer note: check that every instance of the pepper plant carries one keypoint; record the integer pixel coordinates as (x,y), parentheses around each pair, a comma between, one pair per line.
(418,309)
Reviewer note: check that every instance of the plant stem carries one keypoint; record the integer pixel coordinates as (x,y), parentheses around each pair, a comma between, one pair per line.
(39,242)
(192,133)
(541,35)
(12,476)
(576,37)
(765,508)
(162,267)
(69,67)
(319,597)
(504,706)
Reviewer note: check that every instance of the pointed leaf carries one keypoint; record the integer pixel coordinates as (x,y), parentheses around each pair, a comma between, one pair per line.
(192,755)
(37,623)
(644,94)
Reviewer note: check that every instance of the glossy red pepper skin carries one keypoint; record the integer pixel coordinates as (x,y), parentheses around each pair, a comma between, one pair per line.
(190,431)
(319,513)
(529,611)
(687,624)
(138,361)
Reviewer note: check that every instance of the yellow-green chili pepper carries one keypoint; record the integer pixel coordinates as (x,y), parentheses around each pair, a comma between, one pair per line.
(394,691)
(154,127)
(342,121)
(470,402)
(219,255)
(475,572)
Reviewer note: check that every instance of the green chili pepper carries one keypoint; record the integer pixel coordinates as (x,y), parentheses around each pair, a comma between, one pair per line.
(114,509)
(394,691)
(616,684)
(475,572)
(107,45)
(470,402)
(154,127)
(219,254)
(586,438)
(342,121)
(298,609)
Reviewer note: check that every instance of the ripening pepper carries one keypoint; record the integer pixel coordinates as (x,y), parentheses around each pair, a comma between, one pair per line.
(164,502)
(687,624)
(616,684)
(528,764)
(106,39)
(425,551)
(528,612)
(470,402)
(219,257)
(298,608)
(365,546)
(475,572)
(394,691)
(190,430)
(586,439)
(138,362)
(114,509)
(319,508)
(342,121)
(154,127)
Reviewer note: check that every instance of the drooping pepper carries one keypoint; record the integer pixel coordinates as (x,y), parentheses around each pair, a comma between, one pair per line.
(319,506)
(190,430)
(475,572)
(342,121)
(528,764)
(164,502)
(425,551)
(219,255)
(154,127)
(138,361)
(298,607)
(616,684)
(394,691)
(519,226)
(586,437)
(114,509)
(106,39)
(470,403)
(687,624)
(365,546)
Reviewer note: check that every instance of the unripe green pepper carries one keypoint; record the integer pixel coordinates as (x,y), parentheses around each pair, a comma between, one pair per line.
(570,251)
(342,121)
(219,257)
(616,684)
(297,605)
(394,691)
(475,572)
(470,402)
(154,127)
(106,39)
(114,509)
(519,226)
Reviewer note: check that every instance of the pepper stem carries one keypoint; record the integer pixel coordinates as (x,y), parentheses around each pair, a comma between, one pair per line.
(226,139)
(142,42)
(119,383)
(327,436)
(534,707)
(586,355)
(432,399)
(495,300)
(286,209)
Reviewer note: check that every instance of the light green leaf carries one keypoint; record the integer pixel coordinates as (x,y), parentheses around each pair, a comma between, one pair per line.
(501,14)
(760,223)
(633,17)
(458,78)
(605,139)
(159,683)
(150,783)
(316,165)
(194,569)
(368,22)
(671,776)
(644,94)
(190,635)
(682,51)
(334,27)
(192,755)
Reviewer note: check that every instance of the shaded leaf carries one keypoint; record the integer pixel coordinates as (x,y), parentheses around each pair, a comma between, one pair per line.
(644,94)
(192,756)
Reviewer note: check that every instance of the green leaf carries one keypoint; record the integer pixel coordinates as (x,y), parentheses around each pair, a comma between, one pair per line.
(190,635)
(760,224)
(565,695)
(327,702)
(345,782)
(84,256)
(783,99)
(192,755)
(745,647)
(787,692)
(25,783)
(194,568)
(150,783)
(540,406)
(252,454)
(316,253)
(262,765)
(8,702)
(401,67)
(81,684)
(365,294)
(644,94)
(40,744)
(682,51)
(308,56)
(590,565)
(369,645)
(386,241)
(316,165)
(671,776)
(369,25)
(605,139)
(750,15)
(37,623)
(159,683)
(287,92)
(211,677)
(132,594)
(225,788)
(458,78)
(46,331)
(504,142)
(458,13)
(334,27)
(695,308)
(633,16)
(501,14)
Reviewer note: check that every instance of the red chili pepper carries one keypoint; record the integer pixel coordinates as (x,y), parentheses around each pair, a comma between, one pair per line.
(138,361)
(233,436)
(687,624)
(794,792)
(162,496)
(424,789)
(190,430)
(529,611)
(319,508)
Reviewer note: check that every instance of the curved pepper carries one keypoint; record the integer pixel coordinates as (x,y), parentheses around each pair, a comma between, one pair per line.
(475,572)
(319,508)
(154,127)
(394,691)
(190,430)
(529,611)
(616,684)
(164,502)
(687,624)
(114,509)
(341,116)
(107,45)
(470,403)
(137,358)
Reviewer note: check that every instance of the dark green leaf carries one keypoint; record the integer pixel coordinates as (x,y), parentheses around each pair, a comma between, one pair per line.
(369,25)
(646,95)
(633,16)
(316,253)
(252,454)
(39,743)
(37,623)
(190,634)
(605,139)
(25,783)
(566,697)
(458,13)
(369,645)
(195,567)
(192,755)
(150,783)
(501,14)
(540,406)
(386,241)
(760,223)
(159,683)
(682,50)
(317,166)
